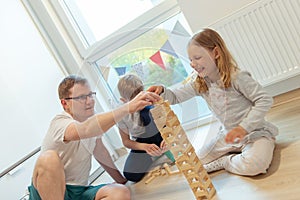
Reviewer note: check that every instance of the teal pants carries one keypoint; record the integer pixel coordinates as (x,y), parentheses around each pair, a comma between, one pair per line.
(73,192)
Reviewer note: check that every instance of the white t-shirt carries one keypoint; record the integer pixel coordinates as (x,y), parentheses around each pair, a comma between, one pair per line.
(131,123)
(76,155)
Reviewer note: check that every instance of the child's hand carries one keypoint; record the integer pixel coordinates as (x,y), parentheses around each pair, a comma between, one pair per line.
(156,89)
(163,146)
(152,149)
(235,135)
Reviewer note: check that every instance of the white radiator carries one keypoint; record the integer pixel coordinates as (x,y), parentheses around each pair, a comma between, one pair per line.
(264,38)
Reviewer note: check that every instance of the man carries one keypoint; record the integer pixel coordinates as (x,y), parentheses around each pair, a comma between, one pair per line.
(62,169)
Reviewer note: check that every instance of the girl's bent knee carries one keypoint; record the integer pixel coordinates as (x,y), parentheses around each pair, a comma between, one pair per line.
(249,167)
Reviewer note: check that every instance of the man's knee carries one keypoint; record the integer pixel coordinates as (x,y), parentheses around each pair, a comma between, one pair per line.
(48,163)
(121,192)
(49,159)
(114,192)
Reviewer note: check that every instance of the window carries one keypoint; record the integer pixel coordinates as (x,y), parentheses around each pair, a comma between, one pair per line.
(92,29)
(97,20)
(146,37)
(155,54)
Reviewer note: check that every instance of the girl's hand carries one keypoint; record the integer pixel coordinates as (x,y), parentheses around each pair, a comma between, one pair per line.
(152,149)
(235,135)
(157,89)
(142,100)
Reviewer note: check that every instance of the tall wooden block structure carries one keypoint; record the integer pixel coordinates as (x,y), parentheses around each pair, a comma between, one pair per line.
(186,159)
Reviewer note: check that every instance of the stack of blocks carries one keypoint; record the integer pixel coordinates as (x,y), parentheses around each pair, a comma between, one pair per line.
(186,159)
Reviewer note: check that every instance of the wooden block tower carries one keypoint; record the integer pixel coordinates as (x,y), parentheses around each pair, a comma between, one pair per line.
(186,159)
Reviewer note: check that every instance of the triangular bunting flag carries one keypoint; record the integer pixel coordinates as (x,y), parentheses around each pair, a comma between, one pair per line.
(167,48)
(156,58)
(141,69)
(121,70)
(177,42)
(180,30)
(105,72)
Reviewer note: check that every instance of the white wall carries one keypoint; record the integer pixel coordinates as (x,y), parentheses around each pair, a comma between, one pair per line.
(29,77)
(202,13)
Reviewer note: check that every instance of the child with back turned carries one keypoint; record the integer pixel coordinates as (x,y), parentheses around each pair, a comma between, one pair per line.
(139,133)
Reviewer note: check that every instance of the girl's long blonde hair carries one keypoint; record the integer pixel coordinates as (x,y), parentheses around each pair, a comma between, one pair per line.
(209,39)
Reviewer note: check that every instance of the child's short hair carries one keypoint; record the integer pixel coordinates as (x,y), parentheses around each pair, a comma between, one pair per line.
(129,86)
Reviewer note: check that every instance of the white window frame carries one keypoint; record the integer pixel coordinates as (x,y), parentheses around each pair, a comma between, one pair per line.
(132,30)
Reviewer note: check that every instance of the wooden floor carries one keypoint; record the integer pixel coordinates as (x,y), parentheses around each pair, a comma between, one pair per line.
(281,182)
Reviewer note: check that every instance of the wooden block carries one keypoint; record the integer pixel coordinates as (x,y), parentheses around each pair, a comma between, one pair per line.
(169,171)
(153,174)
(163,172)
(151,178)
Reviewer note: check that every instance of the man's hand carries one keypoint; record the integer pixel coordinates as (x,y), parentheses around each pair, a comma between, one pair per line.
(235,135)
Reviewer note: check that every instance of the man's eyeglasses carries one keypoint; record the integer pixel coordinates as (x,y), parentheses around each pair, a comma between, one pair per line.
(83,98)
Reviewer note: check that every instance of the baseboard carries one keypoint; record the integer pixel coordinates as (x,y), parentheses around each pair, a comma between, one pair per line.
(286,97)
(198,122)
(284,86)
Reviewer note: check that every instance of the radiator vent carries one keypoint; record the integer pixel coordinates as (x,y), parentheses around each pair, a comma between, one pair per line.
(264,38)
